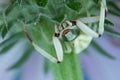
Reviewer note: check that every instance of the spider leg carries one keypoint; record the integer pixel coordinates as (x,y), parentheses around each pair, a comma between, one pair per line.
(44,53)
(103,10)
(86,29)
(89,19)
(58,46)
(40,50)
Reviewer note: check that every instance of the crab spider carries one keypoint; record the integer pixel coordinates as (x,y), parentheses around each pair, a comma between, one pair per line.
(73,33)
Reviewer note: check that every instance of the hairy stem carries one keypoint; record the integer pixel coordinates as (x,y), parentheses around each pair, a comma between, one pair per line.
(69,69)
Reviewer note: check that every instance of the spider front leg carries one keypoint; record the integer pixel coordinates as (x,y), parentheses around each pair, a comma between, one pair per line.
(101,18)
(58,46)
(103,12)
(83,27)
(39,49)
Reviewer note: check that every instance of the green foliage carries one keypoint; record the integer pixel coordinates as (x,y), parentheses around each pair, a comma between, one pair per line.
(113,8)
(46,66)
(112,32)
(102,51)
(9,43)
(108,23)
(41,3)
(40,17)
(23,59)
(96,1)
(75,6)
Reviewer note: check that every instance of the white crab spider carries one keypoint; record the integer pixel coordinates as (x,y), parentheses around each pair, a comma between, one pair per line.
(75,33)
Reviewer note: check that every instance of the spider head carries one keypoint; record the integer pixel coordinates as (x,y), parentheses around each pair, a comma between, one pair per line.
(68,31)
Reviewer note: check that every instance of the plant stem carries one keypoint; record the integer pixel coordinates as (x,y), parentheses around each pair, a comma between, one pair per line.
(69,69)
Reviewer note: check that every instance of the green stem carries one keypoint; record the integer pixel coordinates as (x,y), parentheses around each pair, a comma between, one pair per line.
(69,69)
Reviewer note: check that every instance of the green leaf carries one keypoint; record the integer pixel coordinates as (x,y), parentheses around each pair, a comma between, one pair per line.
(9,42)
(23,59)
(46,66)
(42,3)
(75,6)
(112,32)
(113,8)
(96,1)
(5,30)
(6,48)
(59,18)
(101,51)
(11,38)
(10,7)
(108,23)
(13,14)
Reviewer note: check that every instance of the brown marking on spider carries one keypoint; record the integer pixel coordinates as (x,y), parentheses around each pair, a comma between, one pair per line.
(65,31)
(73,23)
(56,34)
